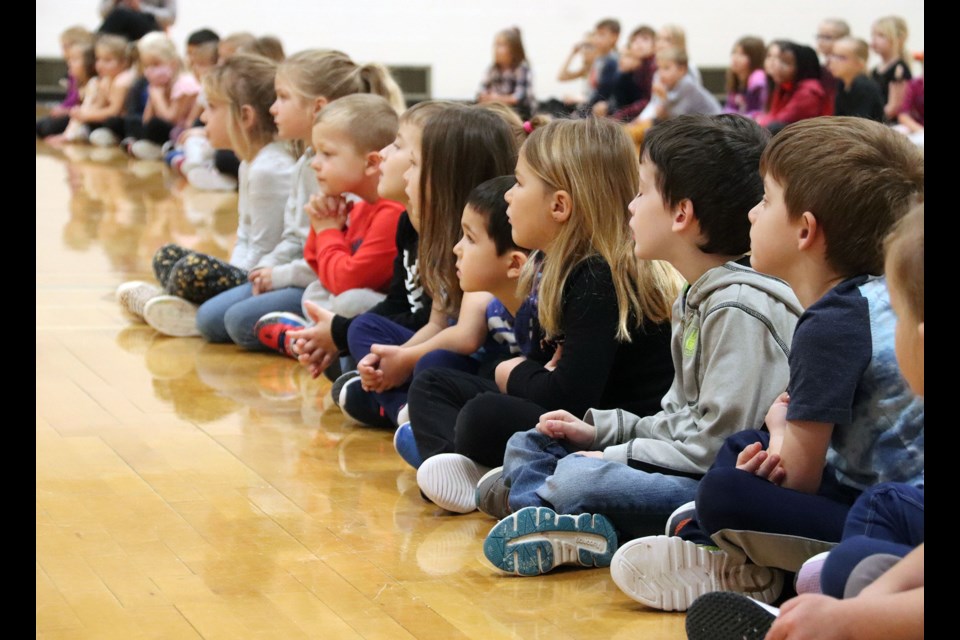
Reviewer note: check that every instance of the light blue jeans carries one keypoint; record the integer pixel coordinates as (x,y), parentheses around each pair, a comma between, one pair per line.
(540,471)
(231,316)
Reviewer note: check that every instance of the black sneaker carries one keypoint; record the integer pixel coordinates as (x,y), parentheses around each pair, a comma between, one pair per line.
(722,615)
(337,389)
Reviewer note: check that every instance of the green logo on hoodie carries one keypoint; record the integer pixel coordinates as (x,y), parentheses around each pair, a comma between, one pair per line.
(690,340)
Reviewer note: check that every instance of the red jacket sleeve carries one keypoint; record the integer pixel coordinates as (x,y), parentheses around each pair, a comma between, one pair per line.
(361,255)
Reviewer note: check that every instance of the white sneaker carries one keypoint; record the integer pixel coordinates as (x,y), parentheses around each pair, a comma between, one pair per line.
(669,573)
(146,150)
(450,480)
(209,179)
(171,316)
(103,137)
(134,295)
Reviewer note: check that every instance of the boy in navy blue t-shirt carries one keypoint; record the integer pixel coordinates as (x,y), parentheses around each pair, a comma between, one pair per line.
(833,189)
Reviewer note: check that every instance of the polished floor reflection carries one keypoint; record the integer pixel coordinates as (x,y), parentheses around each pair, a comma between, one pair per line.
(189,490)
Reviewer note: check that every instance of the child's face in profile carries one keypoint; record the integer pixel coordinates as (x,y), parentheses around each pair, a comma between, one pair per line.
(338,164)
(215,124)
(650,219)
(76,64)
(739,61)
(880,43)
(785,70)
(395,162)
(772,237)
(411,178)
(529,205)
(292,115)
(771,60)
(479,268)
(908,341)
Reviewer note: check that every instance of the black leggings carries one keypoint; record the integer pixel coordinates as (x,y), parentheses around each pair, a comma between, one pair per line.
(52,125)
(457,412)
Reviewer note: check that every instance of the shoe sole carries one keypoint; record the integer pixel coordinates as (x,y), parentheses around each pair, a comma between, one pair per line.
(121,295)
(727,616)
(669,573)
(534,540)
(294,323)
(172,316)
(449,480)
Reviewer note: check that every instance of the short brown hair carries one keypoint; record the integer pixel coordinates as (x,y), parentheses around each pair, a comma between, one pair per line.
(609,24)
(856,176)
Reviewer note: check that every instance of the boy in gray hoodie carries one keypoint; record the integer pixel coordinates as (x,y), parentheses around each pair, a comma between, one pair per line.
(732,328)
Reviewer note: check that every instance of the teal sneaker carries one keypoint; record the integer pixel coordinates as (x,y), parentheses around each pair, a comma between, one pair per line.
(534,540)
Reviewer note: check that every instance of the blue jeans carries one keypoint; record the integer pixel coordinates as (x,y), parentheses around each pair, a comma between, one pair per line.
(540,471)
(369,329)
(886,519)
(231,316)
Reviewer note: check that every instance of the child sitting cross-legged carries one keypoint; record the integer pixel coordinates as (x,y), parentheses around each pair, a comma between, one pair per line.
(833,189)
(488,260)
(352,240)
(615,474)
(870,586)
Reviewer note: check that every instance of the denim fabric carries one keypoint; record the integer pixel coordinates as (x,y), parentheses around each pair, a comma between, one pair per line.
(540,471)
(231,316)
(886,519)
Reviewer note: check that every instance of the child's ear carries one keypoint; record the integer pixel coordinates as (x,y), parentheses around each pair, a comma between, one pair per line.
(248,116)
(515,265)
(371,162)
(561,206)
(319,103)
(683,216)
(809,232)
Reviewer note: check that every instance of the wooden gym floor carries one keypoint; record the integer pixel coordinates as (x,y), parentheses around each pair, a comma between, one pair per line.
(189,490)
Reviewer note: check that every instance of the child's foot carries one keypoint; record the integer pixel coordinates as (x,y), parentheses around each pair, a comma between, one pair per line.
(449,480)
(355,403)
(406,445)
(808,577)
(172,316)
(103,137)
(493,494)
(534,540)
(134,295)
(721,615)
(271,329)
(146,150)
(669,573)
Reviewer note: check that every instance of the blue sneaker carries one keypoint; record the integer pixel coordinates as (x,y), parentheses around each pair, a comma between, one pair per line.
(534,540)
(406,445)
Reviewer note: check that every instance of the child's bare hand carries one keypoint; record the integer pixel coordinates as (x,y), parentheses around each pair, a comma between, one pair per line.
(327,212)
(550,366)
(754,459)
(395,366)
(318,335)
(562,425)
(261,279)
(370,375)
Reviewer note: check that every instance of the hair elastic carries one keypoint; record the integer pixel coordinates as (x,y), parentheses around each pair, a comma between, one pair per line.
(528,126)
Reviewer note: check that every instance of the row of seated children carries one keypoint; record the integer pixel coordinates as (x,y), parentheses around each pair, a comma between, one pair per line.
(599,309)
(541,486)
(283,255)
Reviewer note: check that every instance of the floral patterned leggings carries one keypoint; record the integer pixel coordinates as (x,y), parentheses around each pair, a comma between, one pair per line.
(193,276)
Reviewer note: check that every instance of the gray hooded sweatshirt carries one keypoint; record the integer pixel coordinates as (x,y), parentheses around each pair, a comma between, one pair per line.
(731,336)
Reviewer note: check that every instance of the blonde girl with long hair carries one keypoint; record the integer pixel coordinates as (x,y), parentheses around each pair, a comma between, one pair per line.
(604,317)
(239,95)
(303,84)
